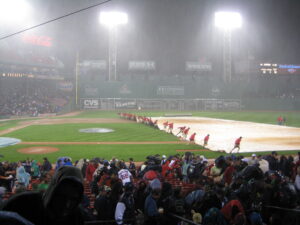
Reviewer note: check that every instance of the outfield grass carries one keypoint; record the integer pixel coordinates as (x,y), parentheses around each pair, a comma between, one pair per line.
(70,133)
(269,117)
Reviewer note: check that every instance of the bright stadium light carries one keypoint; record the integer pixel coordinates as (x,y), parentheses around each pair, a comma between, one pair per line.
(112,19)
(228,20)
(14,12)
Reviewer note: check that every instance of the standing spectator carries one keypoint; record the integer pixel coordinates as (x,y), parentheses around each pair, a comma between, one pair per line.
(125,209)
(186,164)
(163,160)
(229,171)
(140,195)
(152,213)
(263,164)
(273,161)
(84,167)
(132,167)
(253,160)
(93,165)
(124,175)
(102,203)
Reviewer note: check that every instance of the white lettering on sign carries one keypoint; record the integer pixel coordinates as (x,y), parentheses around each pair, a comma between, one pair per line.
(91,103)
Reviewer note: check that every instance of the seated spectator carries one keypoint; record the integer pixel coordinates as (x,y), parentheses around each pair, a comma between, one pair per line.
(46,167)
(6,178)
(35,169)
(23,178)
(214,216)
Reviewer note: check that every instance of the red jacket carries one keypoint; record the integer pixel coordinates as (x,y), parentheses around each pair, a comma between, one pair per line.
(89,172)
(192,137)
(206,138)
(238,141)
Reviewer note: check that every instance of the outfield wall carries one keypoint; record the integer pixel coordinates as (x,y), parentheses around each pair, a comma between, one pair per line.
(161,104)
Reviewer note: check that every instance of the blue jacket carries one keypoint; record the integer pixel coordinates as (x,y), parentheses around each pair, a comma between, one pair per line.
(151,207)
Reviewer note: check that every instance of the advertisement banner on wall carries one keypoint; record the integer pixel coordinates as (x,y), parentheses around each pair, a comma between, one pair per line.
(197,67)
(141,66)
(91,103)
(126,104)
(170,90)
(65,86)
(94,64)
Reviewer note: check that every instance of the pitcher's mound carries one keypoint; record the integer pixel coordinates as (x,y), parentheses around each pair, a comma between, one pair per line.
(38,150)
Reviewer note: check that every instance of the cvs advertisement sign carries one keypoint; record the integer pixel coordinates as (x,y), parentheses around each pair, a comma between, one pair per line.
(91,104)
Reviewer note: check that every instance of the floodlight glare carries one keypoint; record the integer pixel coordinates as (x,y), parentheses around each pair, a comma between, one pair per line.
(228,20)
(112,19)
(14,11)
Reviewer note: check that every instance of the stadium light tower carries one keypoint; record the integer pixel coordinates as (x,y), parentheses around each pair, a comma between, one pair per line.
(14,12)
(227,21)
(112,20)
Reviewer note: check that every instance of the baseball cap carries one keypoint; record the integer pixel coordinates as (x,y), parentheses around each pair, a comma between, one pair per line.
(253,155)
(164,156)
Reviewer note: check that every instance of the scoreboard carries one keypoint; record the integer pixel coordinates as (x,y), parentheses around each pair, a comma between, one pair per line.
(289,69)
(279,69)
(269,68)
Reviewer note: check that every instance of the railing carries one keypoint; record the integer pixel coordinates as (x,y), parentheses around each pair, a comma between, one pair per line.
(282,209)
(106,222)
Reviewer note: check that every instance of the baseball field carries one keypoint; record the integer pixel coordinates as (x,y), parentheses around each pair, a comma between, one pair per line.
(60,136)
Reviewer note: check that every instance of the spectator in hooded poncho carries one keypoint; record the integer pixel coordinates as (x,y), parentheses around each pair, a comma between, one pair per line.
(23,177)
(35,169)
(59,205)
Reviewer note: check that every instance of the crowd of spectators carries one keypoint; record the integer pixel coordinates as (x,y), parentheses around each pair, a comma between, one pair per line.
(228,190)
(30,100)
